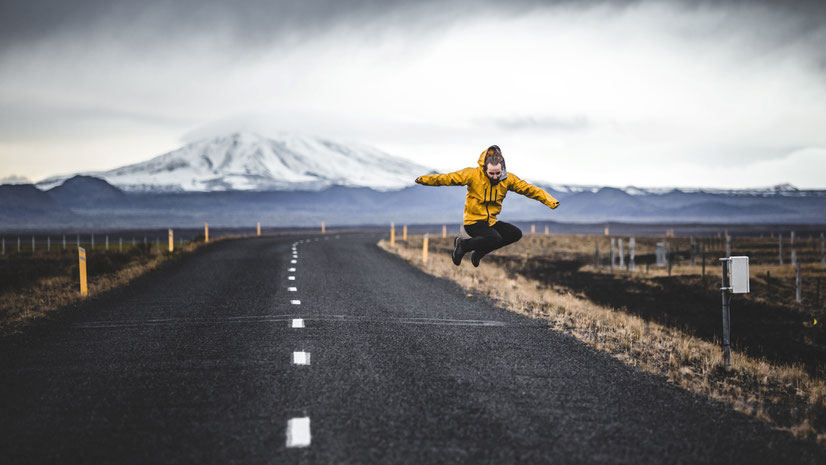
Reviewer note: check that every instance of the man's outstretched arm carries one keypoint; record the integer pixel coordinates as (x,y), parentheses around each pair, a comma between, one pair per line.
(456,178)
(529,190)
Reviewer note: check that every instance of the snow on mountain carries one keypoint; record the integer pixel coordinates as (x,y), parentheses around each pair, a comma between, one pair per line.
(14,179)
(247,161)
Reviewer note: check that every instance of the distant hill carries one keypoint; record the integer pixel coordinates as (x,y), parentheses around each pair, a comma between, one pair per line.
(89,202)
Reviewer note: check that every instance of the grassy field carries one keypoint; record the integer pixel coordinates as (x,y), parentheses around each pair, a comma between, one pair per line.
(668,325)
(36,283)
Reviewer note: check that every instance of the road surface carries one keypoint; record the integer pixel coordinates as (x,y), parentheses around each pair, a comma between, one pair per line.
(223,358)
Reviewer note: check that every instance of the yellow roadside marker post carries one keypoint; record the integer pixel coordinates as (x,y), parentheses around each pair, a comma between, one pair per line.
(323,228)
(444,231)
(81,255)
(206,232)
(546,231)
(404,233)
(171,241)
(392,233)
(424,248)
(258,229)
(533,229)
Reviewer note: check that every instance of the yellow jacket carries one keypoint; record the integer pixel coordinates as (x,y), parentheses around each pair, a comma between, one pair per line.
(484,198)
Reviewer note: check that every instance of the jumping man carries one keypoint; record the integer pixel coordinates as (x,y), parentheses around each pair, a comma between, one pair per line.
(487,186)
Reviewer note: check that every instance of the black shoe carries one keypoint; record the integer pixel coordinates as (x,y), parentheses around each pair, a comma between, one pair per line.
(458,253)
(475,258)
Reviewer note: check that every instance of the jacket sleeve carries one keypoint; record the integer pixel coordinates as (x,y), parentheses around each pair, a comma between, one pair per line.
(456,178)
(529,190)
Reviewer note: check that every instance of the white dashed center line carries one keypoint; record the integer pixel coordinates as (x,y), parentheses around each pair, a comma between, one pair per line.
(292,289)
(295,302)
(301,358)
(291,278)
(298,323)
(293,261)
(298,432)
(291,270)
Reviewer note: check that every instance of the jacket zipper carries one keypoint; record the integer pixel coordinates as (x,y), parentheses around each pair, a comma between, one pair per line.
(486,203)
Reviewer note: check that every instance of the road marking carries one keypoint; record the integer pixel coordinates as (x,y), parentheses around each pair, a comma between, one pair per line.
(298,432)
(291,270)
(293,261)
(301,358)
(291,278)
(298,323)
(292,289)
(295,302)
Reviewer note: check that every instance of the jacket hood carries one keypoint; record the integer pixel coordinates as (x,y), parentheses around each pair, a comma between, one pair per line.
(482,165)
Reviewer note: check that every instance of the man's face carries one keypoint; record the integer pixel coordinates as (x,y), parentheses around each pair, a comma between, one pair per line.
(494,171)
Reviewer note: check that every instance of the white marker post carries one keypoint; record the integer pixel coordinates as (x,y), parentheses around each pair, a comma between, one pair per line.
(632,251)
(735,281)
(621,255)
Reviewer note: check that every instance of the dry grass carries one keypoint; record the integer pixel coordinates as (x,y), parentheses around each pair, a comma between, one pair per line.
(785,396)
(20,307)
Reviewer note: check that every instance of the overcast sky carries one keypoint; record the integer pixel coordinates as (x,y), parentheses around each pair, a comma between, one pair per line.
(648,93)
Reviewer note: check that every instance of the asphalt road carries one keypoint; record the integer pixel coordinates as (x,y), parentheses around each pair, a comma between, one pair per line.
(194,363)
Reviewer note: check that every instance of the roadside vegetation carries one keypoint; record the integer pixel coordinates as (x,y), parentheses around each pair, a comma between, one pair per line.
(669,322)
(35,284)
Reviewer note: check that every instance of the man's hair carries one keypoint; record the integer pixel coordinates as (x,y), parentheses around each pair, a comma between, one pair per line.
(493,156)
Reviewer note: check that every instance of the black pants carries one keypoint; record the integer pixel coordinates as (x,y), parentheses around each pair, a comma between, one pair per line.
(485,239)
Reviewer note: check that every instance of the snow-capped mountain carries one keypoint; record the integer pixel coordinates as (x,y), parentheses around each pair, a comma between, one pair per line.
(249,162)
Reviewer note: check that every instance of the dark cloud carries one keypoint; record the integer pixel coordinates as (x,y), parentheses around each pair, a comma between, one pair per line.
(259,22)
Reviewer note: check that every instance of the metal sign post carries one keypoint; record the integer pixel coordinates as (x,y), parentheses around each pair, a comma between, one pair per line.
(735,281)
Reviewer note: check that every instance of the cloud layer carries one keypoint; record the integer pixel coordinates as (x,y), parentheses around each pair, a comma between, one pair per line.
(603,92)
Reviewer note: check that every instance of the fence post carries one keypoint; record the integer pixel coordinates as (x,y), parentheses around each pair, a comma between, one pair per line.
(120,244)
(632,246)
(48,244)
(93,242)
(18,244)
(798,294)
(794,257)
(613,252)
(107,242)
(323,227)
(32,244)
(533,229)
(621,255)
(780,246)
(172,241)
(726,288)
(206,233)
(547,232)
(444,231)
(404,233)
(81,254)
(392,233)
(693,251)
(258,229)
(64,242)
(791,243)
(424,248)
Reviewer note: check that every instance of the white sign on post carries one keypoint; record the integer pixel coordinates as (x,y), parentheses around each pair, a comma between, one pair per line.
(739,275)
